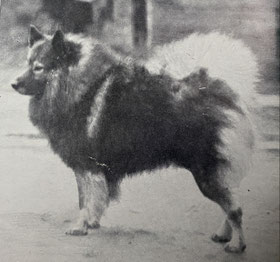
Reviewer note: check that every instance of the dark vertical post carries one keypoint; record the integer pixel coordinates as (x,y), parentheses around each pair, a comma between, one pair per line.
(106,14)
(139,24)
(110,10)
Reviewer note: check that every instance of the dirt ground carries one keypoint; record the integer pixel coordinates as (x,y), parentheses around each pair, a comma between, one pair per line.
(160,216)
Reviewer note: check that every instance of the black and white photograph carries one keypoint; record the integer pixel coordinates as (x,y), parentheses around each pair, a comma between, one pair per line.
(139,130)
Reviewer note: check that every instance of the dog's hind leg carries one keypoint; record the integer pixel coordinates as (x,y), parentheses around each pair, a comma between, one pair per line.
(231,230)
(224,233)
(93,200)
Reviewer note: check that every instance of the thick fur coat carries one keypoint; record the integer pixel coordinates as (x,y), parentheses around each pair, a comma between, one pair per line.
(108,117)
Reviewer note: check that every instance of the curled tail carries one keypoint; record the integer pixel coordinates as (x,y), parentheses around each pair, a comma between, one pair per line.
(227,59)
(224,57)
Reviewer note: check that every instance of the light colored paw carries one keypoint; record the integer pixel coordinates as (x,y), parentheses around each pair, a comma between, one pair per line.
(78,231)
(220,239)
(230,248)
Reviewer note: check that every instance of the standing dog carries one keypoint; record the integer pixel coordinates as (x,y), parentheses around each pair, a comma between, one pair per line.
(108,118)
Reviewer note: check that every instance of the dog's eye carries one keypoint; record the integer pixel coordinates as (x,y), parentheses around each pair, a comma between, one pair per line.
(38,68)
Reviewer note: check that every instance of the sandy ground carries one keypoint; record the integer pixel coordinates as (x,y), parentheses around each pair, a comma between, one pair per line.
(160,217)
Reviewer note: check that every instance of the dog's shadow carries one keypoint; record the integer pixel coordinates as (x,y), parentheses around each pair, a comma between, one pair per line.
(117,233)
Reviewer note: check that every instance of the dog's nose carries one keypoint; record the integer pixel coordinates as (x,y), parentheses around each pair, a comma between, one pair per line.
(14,86)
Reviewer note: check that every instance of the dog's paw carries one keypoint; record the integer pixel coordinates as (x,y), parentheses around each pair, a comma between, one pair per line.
(94,225)
(77,231)
(235,248)
(220,239)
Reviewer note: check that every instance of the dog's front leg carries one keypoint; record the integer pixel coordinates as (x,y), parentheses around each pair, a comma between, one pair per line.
(93,200)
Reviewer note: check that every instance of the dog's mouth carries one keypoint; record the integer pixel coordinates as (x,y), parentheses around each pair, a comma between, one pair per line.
(19,89)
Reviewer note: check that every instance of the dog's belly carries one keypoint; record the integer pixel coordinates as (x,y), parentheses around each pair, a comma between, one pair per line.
(130,163)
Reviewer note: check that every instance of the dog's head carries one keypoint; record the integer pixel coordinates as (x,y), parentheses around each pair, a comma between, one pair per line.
(46,55)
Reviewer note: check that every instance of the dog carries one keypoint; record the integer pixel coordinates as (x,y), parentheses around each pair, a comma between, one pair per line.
(109,117)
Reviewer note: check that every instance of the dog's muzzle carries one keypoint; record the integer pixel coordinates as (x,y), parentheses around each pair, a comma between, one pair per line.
(15,86)
(19,88)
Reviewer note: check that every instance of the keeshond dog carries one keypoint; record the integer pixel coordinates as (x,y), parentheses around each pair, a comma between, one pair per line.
(109,117)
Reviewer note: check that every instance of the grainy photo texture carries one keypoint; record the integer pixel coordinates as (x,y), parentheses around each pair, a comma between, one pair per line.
(139,130)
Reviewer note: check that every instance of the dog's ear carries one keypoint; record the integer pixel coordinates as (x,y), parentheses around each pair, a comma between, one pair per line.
(58,43)
(34,35)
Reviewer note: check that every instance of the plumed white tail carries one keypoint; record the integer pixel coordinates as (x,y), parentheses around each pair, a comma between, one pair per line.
(230,60)
(225,58)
